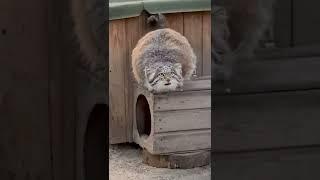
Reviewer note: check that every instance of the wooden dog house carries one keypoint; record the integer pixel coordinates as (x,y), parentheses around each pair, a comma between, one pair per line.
(173,123)
(164,120)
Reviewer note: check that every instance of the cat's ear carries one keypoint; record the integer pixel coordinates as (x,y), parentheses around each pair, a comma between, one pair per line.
(177,67)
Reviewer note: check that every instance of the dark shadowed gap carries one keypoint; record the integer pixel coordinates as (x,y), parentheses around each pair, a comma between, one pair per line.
(95,148)
(143,117)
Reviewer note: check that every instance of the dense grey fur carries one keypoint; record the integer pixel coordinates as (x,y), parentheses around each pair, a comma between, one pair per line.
(163,58)
(247,20)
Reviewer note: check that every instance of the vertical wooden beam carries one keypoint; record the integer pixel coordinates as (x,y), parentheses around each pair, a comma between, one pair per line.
(283,24)
(206,44)
(132,36)
(117,100)
(193,32)
(175,21)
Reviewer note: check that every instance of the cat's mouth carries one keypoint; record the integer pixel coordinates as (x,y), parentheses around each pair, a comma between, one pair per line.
(167,84)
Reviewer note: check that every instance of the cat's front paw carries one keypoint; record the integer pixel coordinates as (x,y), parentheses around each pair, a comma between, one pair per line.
(179,89)
(150,89)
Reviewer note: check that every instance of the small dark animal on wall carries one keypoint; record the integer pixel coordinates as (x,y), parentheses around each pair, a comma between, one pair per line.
(238,26)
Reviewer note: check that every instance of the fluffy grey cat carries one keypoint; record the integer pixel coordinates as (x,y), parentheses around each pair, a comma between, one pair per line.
(163,58)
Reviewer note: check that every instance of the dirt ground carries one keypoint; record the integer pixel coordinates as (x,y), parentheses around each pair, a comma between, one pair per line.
(125,163)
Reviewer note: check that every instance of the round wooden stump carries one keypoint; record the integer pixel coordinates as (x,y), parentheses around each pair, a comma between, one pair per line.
(177,161)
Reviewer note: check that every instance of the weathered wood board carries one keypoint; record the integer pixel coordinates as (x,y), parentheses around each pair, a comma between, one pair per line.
(262,76)
(180,121)
(25,126)
(183,120)
(278,164)
(267,120)
(266,117)
(117,81)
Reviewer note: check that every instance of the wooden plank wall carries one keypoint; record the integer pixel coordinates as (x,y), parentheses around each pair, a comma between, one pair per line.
(123,36)
(266,117)
(24,125)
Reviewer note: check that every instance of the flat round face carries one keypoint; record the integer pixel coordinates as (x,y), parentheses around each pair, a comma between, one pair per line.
(166,78)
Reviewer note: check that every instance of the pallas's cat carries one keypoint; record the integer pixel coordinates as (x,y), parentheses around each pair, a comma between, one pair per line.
(163,58)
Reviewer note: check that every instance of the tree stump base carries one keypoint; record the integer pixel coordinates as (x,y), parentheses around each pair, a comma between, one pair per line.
(177,160)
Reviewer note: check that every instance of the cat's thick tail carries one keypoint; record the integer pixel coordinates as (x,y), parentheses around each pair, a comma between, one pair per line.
(156,21)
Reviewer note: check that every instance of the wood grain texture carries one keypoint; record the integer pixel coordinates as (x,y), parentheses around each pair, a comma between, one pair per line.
(183,100)
(182,120)
(283,24)
(142,25)
(117,79)
(196,84)
(183,141)
(266,121)
(200,84)
(132,36)
(305,32)
(192,28)
(25,151)
(177,161)
(279,164)
(273,75)
(175,21)
(206,44)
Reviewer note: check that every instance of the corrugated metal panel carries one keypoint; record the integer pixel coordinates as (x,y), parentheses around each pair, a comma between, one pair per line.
(119,9)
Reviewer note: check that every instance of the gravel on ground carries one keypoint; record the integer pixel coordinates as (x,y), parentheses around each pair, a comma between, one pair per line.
(125,163)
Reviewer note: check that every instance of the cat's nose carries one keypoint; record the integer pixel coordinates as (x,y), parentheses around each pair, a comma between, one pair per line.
(168,82)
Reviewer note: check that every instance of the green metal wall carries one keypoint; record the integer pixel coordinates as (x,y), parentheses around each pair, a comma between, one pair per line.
(119,9)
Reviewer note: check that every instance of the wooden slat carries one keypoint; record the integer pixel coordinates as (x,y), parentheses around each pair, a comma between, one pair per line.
(117,100)
(175,21)
(203,83)
(182,120)
(55,93)
(296,163)
(142,25)
(263,121)
(181,141)
(192,28)
(182,100)
(25,141)
(132,36)
(283,23)
(206,44)
(292,52)
(273,75)
(195,85)
(306,32)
